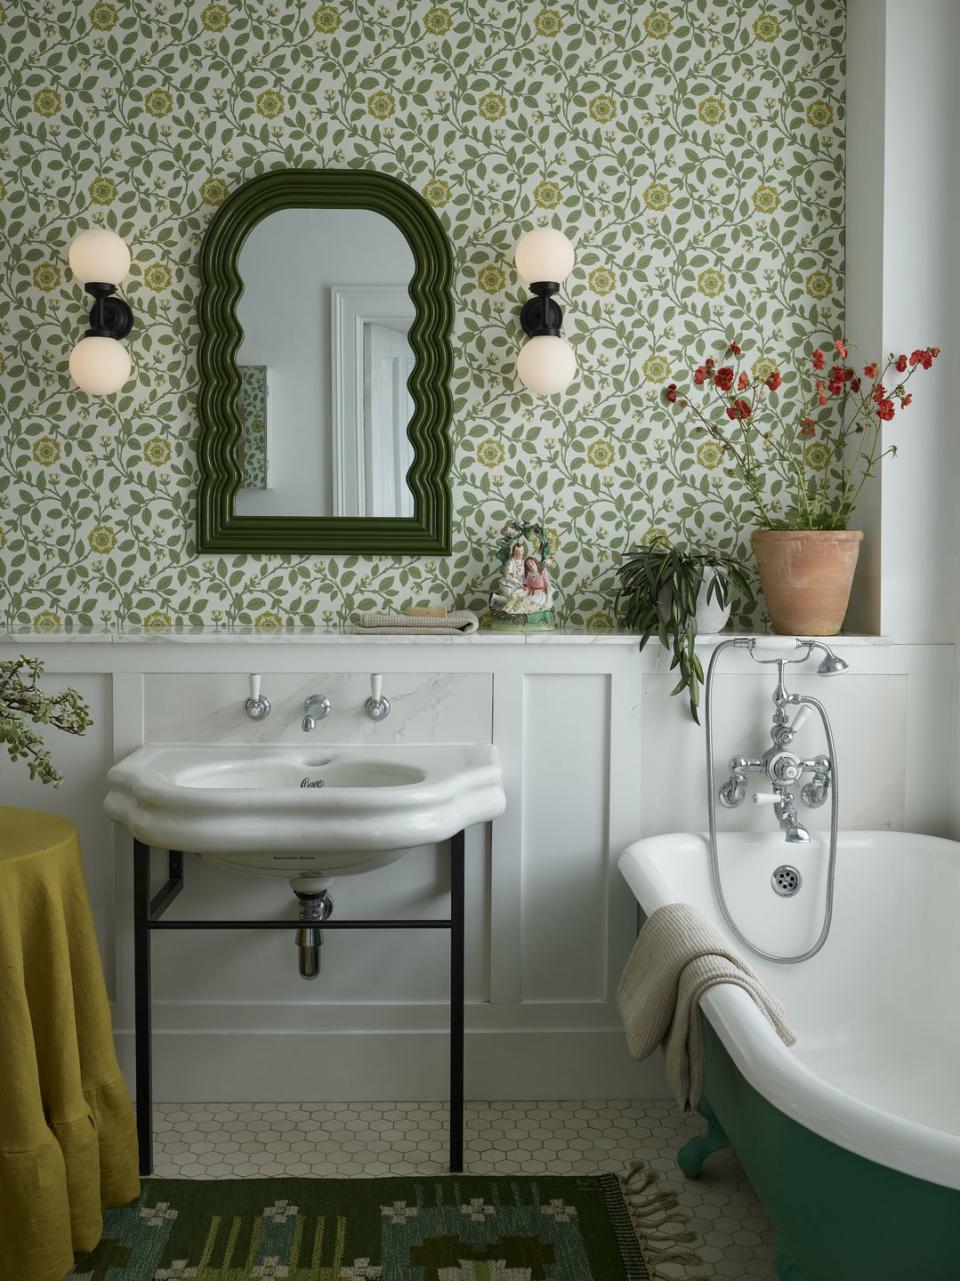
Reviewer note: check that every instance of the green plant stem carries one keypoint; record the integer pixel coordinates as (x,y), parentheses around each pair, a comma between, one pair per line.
(718,435)
(824,502)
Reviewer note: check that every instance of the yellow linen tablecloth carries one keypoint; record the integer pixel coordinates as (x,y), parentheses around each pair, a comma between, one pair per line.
(68,1142)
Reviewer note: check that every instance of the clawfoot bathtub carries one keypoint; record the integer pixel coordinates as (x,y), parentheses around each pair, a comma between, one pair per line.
(851,1137)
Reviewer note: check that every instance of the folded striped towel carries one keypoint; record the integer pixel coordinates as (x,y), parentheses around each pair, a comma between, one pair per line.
(459,622)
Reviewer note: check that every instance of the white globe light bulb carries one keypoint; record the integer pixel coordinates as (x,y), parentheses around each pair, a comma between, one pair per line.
(546,364)
(544,254)
(99,255)
(99,365)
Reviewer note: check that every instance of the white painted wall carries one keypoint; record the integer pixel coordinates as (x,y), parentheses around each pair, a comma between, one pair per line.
(594,752)
(908,199)
(863,304)
(903,103)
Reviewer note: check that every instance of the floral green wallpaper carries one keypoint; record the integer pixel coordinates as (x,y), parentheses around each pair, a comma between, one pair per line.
(692,150)
(252,412)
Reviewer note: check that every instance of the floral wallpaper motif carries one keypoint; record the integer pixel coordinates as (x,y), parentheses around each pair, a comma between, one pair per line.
(252,412)
(692,150)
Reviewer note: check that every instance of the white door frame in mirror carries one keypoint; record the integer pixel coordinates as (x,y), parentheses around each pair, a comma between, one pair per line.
(352,307)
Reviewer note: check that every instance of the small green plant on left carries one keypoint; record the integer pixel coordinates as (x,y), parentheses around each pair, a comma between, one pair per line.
(22,701)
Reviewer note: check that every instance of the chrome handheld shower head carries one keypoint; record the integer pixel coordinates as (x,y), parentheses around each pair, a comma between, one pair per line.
(831,664)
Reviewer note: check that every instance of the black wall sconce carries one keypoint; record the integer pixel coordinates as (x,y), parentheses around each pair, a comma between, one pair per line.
(546,363)
(99,363)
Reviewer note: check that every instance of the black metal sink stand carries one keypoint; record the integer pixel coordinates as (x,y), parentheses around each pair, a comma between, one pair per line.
(148,914)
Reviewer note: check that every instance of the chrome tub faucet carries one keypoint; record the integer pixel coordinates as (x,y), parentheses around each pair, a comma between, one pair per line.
(783,767)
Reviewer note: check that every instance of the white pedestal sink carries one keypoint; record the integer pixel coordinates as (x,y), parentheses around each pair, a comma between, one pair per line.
(307,814)
(304,813)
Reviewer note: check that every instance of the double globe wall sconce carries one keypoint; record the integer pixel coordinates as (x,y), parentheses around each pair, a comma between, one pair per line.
(100,364)
(546,363)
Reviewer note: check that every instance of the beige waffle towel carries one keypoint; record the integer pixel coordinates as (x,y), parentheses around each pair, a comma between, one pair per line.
(677,957)
(459,622)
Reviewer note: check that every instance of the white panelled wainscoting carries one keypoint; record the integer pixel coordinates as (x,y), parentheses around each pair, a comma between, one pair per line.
(594,754)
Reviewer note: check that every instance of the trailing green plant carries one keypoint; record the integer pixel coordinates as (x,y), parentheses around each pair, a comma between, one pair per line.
(657,596)
(22,699)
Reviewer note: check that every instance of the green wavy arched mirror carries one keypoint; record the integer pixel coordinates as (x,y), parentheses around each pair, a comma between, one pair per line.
(325,318)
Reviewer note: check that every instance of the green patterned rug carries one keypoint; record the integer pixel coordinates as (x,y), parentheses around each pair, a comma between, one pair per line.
(459,1228)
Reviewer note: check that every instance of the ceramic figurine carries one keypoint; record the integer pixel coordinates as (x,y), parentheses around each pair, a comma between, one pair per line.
(523,595)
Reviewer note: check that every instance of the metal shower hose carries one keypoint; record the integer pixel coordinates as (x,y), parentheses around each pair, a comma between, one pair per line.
(712,824)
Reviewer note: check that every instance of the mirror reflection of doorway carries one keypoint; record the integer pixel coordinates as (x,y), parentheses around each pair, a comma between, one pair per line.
(371,361)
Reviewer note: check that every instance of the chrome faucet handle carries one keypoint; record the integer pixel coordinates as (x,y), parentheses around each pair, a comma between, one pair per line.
(732,793)
(801,717)
(316,708)
(377,705)
(767,798)
(785,808)
(785,731)
(782,768)
(257,705)
(734,790)
(814,793)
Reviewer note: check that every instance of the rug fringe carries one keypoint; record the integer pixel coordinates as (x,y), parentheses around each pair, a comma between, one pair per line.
(660,1224)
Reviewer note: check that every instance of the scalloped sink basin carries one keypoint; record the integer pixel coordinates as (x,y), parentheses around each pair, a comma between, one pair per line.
(325,773)
(300,813)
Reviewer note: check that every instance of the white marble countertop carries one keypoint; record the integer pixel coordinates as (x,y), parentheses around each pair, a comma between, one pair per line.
(342,636)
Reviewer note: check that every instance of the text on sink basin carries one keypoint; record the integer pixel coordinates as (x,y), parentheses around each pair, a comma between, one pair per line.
(311,782)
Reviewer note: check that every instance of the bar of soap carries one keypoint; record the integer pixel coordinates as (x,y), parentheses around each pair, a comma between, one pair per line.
(425,611)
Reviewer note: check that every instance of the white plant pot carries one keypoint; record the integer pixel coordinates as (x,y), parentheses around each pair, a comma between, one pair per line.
(710,616)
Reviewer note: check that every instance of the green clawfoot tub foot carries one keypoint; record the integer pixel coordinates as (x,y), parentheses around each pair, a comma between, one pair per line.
(788,1269)
(694,1152)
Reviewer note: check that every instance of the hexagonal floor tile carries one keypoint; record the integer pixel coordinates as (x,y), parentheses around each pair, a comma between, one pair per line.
(338,1140)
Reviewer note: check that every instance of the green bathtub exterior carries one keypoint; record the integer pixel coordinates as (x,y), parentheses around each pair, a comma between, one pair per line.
(838,1216)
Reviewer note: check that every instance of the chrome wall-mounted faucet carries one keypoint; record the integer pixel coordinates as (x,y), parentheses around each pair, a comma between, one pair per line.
(316,708)
(257,705)
(783,767)
(377,705)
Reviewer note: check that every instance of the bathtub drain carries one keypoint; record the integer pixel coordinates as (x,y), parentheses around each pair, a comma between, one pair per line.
(785,880)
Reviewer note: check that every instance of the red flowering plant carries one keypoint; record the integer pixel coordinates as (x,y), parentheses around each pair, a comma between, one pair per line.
(804,467)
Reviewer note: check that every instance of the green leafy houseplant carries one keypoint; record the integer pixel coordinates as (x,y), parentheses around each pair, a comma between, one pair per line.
(659,586)
(22,699)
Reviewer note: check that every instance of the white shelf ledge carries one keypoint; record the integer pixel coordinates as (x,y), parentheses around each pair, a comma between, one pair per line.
(343,636)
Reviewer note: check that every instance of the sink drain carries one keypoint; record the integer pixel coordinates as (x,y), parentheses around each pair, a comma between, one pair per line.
(786,880)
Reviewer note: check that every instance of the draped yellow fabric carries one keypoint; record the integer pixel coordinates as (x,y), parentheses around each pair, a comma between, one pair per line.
(67,1137)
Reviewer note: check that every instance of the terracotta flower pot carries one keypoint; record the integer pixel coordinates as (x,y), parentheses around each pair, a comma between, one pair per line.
(806,576)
